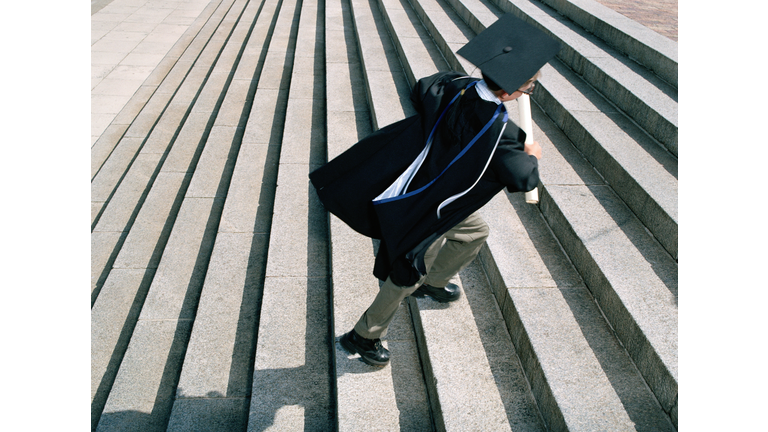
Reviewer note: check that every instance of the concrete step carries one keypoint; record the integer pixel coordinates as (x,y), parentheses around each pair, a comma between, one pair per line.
(367,398)
(476,381)
(664,316)
(222,286)
(649,48)
(389,100)
(479,385)
(403,22)
(115,147)
(292,369)
(623,309)
(169,242)
(643,173)
(648,100)
(635,250)
(394,397)
(133,47)
(120,188)
(124,264)
(641,307)
(214,388)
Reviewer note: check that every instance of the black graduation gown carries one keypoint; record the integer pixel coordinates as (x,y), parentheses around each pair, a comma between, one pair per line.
(454,180)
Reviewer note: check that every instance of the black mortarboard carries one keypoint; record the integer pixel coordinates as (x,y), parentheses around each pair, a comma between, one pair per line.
(510,51)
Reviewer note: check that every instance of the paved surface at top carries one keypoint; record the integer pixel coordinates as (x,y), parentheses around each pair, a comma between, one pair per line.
(97,5)
(129,39)
(658,15)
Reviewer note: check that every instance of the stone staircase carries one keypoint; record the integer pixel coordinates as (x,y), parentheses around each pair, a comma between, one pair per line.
(220,285)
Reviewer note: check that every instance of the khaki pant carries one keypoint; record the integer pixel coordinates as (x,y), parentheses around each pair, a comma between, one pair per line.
(447,256)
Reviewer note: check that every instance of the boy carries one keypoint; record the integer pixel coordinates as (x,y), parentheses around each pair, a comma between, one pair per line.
(427,217)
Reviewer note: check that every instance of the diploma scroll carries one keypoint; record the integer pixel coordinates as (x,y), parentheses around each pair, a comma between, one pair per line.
(526,124)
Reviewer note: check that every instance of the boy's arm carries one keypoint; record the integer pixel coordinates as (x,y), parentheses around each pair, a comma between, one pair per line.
(514,164)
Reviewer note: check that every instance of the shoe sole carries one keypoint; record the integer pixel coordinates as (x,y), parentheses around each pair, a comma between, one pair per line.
(437,299)
(352,350)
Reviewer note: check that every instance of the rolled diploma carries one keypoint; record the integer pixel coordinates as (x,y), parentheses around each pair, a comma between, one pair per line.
(524,111)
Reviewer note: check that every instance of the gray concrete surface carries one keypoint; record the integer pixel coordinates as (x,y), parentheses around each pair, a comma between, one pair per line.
(220,286)
(478,383)
(655,51)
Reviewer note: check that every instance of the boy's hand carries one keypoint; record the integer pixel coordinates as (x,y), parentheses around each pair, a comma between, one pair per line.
(533,149)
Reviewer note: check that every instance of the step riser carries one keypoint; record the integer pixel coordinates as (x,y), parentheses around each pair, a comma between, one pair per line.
(542,391)
(395,397)
(638,42)
(654,215)
(156,246)
(141,250)
(292,366)
(549,298)
(185,47)
(656,218)
(224,332)
(131,195)
(379,64)
(193,238)
(407,33)
(476,383)
(663,395)
(403,52)
(660,379)
(659,118)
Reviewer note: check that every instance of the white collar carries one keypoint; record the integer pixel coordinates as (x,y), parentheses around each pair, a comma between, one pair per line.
(485,93)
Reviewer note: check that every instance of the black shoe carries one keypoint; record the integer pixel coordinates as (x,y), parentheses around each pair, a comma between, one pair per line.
(450,293)
(371,351)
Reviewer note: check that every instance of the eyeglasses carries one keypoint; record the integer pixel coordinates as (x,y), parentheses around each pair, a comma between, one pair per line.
(529,90)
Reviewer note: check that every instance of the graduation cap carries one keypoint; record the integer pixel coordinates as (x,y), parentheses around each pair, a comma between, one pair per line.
(510,51)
